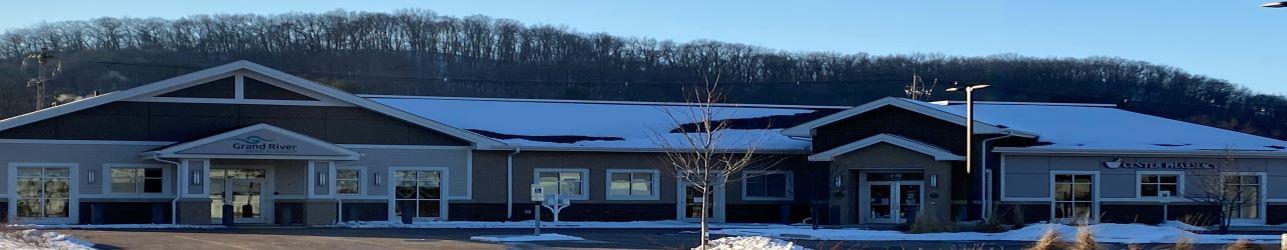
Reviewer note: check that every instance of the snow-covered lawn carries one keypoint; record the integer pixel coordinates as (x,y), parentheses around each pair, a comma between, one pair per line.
(752,242)
(119,226)
(12,238)
(522,238)
(565,224)
(1105,232)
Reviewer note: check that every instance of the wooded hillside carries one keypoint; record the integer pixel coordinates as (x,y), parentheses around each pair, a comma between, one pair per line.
(418,52)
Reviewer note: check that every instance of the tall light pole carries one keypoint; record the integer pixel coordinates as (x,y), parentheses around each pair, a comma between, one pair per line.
(969,131)
(1275,4)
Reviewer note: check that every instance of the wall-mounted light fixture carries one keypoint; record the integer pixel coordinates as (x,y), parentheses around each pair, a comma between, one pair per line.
(934,181)
(196,177)
(376,177)
(321,178)
(840,181)
(90,176)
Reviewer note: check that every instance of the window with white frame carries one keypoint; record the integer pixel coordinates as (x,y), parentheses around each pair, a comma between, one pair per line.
(1074,196)
(766,185)
(348,181)
(567,183)
(139,180)
(1154,184)
(633,184)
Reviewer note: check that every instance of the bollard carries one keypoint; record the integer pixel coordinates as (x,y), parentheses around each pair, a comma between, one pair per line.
(96,214)
(228,215)
(407,211)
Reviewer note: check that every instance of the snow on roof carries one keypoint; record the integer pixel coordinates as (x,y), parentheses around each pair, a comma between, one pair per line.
(1104,127)
(600,125)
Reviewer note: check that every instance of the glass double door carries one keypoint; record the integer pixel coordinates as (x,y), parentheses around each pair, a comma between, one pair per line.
(691,203)
(893,201)
(241,188)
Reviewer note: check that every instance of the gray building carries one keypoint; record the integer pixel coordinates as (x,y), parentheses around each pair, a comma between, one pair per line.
(248,144)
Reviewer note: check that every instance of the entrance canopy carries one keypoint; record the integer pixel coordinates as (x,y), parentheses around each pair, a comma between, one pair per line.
(259,141)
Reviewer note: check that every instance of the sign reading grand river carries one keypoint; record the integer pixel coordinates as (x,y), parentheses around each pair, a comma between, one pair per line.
(1158,165)
(263,142)
(257,144)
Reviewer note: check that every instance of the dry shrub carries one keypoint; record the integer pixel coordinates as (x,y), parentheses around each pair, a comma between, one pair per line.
(1184,243)
(1134,246)
(1051,240)
(1198,219)
(23,236)
(1243,244)
(1086,239)
(930,221)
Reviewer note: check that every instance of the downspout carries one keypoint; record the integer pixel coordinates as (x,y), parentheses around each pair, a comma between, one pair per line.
(509,183)
(174,204)
(987,199)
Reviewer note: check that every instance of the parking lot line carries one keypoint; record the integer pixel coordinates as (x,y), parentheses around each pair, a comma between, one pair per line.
(212,242)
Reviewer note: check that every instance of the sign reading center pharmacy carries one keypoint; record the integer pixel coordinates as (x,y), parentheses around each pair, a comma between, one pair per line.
(1115,164)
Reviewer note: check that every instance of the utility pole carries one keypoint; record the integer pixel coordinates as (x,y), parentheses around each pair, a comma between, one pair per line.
(917,90)
(41,60)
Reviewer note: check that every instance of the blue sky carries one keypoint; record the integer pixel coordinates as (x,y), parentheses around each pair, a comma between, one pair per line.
(1229,39)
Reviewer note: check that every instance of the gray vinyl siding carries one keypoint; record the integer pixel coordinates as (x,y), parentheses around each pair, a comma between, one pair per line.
(1028,176)
(144,121)
(89,157)
(456,161)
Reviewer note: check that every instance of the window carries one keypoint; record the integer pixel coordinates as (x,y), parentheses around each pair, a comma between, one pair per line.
(1154,184)
(348,181)
(766,185)
(419,192)
(1074,196)
(1243,194)
(624,184)
(44,192)
(569,183)
(145,180)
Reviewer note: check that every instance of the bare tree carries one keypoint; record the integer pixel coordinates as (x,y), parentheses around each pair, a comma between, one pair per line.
(1217,187)
(702,150)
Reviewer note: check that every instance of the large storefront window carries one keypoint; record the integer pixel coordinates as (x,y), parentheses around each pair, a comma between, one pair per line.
(44,192)
(418,192)
(1244,192)
(1074,197)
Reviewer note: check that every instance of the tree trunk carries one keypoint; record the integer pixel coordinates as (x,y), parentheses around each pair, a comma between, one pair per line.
(706,231)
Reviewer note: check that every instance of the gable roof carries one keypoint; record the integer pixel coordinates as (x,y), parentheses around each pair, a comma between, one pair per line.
(193,78)
(1102,128)
(286,144)
(575,125)
(939,154)
(805,129)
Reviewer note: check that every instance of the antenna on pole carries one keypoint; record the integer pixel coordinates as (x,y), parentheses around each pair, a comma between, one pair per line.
(47,67)
(916,90)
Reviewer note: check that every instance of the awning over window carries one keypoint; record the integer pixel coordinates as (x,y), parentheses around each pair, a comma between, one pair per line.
(259,141)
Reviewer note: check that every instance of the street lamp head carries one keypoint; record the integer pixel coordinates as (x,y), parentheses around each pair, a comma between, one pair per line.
(953,89)
(1274,4)
(980,86)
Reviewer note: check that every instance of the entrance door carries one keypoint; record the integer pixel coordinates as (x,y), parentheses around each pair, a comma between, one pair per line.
(241,188)
(44,194)
(420,193)
(893,201)
(690,203)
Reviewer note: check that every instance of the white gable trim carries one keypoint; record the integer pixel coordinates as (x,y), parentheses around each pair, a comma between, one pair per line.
(806,129)
(204,75)
(174,151)
(938,153)
(1140,152)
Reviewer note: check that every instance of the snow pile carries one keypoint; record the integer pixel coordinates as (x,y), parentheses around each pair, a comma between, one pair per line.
(524,238)
(1182,226)
(564,224)
(119,226)
(35,239)
(1104,232)
(752,242)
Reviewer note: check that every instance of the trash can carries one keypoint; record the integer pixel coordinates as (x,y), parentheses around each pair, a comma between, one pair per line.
(228,215)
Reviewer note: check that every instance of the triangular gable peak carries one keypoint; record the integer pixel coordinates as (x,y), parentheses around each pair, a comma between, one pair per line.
(939,154)
(241,86)
(324,96)
(260,141)
(806,129)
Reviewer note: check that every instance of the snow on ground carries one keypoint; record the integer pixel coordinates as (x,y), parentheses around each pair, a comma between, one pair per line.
(119,226)
(1105,232)
(752,242)
(1181,226)
(565,224)
(523,238)
(36,239)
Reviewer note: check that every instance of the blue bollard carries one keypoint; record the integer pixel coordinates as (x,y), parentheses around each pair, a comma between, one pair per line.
(227,215)
(407,218)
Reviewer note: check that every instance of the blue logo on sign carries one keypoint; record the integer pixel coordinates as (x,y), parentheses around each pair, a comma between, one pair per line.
(252,139)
